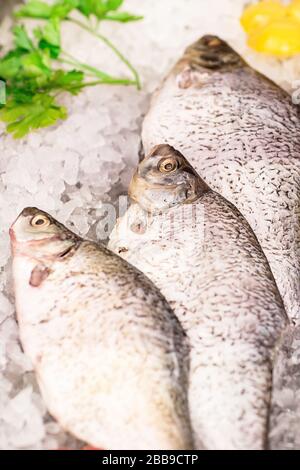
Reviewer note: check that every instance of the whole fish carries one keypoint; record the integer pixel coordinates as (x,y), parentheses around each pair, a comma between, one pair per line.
(206,260)
(109,354)
(241,133)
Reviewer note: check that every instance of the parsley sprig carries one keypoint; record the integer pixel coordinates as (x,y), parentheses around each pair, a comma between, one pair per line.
(32,69)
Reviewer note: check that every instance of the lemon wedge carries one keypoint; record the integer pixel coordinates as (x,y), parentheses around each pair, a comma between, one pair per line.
(280,38)
(293,10)
(259,15)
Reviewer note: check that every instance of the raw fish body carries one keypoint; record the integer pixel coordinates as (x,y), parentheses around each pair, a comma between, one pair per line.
(241,133)
(110,356)
(207,262)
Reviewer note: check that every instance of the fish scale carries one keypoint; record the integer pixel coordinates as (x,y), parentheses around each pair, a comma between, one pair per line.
(110,356)
(235,125)
(214,274)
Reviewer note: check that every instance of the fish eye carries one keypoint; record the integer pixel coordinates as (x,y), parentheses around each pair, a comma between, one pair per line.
(40,221)
(168,165)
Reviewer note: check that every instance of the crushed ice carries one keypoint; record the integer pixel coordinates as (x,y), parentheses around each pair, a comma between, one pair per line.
(69,169)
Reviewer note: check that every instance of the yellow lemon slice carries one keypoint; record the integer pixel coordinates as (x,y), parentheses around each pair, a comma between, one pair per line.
(280,38)
(293,10)
(259,15)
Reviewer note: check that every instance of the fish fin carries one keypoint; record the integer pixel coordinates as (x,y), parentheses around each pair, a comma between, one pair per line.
(38,275)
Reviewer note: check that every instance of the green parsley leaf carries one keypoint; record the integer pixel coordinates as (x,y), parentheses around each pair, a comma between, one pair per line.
(29,71)
(20,65)
(41,10)
(92,7)
(61,8)
(99,8)
(21,38)
(71,81)
(10,65)
(21,92)
(112,4)
(35,64)
(121,16)
(49,37)
(34,9)
(41,112)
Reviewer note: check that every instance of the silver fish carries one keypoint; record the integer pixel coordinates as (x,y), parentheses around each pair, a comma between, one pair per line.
(241,133)
(206,260)
(109,354)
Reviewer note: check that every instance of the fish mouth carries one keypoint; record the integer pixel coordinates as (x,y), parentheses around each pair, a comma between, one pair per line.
(28,211)
(154,197)
(139,186)
(213,53)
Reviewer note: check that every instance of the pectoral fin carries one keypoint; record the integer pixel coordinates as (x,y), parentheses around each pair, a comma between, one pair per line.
(38,275)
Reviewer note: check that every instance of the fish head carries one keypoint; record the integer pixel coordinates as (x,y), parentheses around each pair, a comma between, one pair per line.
(165,179)
(38,235)
(210,53)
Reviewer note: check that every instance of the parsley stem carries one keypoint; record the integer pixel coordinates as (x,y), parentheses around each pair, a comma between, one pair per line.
(71,61)
(112,81)
(104,77)
(112,47)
